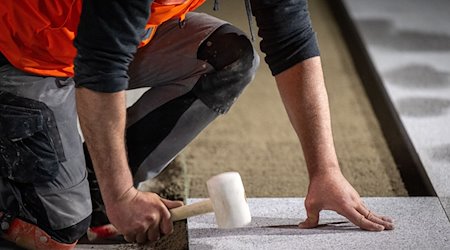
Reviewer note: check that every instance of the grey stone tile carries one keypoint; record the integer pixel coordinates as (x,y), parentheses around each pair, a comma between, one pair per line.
(420,224)
(445,201)
(409,44)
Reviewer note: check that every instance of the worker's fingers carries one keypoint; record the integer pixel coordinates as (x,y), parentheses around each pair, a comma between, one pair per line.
(388,219)
(153,233)
(171,204)
(369,215)
(130,237)
(153,229)
(141,237)
(364,210)
(166,226)
(313,217)
(360,220)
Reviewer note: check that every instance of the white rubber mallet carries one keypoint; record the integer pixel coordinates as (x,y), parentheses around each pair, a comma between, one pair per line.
(226,199)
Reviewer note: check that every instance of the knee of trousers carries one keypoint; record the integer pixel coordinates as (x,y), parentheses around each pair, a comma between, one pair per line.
(73,233)
(234,60)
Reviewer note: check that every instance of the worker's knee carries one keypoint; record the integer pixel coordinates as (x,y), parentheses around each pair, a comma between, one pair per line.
(226,46)
(59,220)
(29,236)
(231,54)
(73,233)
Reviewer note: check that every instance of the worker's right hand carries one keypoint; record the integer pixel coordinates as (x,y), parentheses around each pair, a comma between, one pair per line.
(141,216)
(331,191)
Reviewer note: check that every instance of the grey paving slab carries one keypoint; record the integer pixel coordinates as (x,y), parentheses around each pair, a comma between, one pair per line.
(420,224)
(446,205)
(409,44)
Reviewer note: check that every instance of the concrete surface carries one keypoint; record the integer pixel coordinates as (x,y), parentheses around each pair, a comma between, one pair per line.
(409,44)
(420,224)
(446,205)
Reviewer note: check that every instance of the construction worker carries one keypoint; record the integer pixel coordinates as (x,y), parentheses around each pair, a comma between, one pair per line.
(60,59)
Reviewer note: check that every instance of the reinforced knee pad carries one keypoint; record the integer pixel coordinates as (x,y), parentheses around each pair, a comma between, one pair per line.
(30,236)
(231,54)
(73,233)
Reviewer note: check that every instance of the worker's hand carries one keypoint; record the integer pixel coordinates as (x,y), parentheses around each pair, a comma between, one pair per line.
(141,216)
(331,191)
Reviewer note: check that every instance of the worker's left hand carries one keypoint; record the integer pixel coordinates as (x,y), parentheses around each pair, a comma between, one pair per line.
(141,216)
(331,191)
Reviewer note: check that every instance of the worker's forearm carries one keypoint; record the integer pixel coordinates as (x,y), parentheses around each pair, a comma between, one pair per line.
(102,120)
(305,98)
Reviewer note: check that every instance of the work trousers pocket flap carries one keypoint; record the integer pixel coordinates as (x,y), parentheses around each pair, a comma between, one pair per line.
(30,146)
(17,123)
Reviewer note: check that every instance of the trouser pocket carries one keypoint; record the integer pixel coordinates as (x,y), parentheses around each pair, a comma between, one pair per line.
(30,146)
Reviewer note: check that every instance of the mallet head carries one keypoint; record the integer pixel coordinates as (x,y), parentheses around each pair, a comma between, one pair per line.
(228,199)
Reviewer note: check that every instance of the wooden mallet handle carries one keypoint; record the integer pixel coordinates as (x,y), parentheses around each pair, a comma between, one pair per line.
(176,214)
(183,212)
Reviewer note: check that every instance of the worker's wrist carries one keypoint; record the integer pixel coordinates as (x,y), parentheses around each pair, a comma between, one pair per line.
(114,201)
(323,169)
(116,188)
(128,195)
(119,199)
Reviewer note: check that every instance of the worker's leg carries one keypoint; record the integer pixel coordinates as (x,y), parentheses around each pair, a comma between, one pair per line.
(43,179)
(195,74)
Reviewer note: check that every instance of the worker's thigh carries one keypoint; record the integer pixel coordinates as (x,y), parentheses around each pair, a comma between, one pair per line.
(196,72)
(169,63)
(43,175)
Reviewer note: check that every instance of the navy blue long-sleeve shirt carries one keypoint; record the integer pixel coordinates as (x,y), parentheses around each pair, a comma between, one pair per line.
(111,30)
(286,32)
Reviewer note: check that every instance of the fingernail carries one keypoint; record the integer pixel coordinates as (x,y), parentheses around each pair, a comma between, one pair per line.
(387,219)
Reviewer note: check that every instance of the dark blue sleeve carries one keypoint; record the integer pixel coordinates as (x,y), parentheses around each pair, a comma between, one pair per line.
(108,36)
(286,32)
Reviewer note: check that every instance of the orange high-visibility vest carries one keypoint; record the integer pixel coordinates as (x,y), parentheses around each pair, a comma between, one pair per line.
(37,36)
